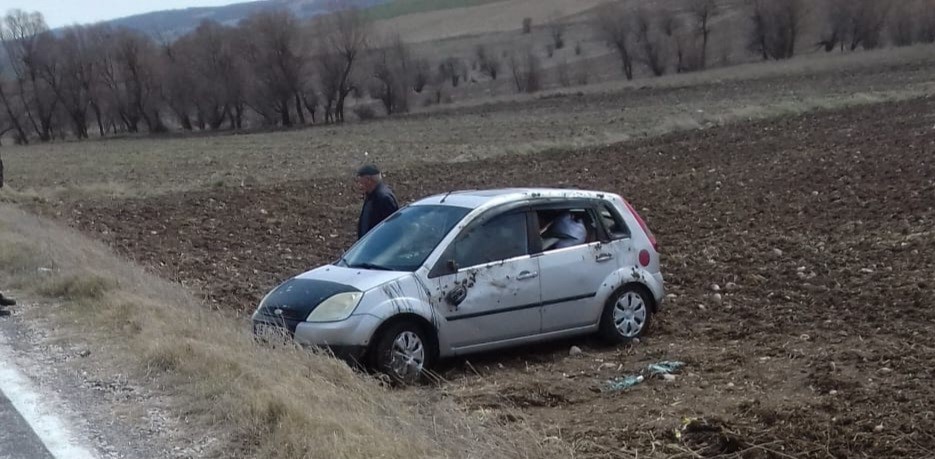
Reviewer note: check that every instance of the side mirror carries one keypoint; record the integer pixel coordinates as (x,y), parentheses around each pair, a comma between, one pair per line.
(456,296)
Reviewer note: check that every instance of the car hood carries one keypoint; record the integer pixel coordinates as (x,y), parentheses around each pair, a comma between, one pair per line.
(360,279)
(293,300)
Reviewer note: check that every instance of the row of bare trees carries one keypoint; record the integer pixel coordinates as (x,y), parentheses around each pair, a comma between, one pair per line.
(853,24)
(664,39)
(270,70)
(273,69)
(658,38)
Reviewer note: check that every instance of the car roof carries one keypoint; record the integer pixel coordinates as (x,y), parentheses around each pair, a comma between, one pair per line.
(474,199)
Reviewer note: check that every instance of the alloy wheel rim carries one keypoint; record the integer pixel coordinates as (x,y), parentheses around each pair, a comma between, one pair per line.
(630,314)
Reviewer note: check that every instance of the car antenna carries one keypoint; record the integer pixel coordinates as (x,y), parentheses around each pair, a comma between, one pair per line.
(446,196)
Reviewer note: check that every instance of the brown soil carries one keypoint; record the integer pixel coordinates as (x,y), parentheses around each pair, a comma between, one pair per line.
(818,230)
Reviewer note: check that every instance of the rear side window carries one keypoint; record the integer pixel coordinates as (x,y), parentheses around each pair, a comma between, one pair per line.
(613,222)
(562,227)
(503,237)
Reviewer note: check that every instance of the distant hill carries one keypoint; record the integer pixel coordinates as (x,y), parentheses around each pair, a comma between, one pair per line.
(173,23)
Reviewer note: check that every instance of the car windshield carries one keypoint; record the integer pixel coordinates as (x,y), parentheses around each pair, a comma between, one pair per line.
(405,240)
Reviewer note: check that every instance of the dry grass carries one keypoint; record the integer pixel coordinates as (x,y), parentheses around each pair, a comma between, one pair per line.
(285,403)
(76,287)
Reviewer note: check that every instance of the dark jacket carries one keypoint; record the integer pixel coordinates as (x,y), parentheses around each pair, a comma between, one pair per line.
(378,205)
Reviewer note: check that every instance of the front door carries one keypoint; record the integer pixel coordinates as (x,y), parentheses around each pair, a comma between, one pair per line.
(494,294)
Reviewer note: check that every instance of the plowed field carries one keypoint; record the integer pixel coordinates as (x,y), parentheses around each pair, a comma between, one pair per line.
(818,230)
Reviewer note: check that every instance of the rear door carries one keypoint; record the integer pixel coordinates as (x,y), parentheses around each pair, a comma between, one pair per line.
(619,238)
(572,276)
(498,279)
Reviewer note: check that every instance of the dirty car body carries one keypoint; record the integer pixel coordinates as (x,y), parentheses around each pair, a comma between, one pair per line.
(470,271)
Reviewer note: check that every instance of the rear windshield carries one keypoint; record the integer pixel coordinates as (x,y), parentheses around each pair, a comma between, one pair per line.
(405,240)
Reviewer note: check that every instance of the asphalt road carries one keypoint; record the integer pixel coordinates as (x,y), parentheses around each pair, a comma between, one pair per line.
(30,427)
(17,439)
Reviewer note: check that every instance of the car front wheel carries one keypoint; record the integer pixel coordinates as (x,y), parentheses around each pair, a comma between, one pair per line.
(402,351)
(627,314)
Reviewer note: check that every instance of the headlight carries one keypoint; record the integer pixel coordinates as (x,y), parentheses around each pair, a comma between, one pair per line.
(336,308)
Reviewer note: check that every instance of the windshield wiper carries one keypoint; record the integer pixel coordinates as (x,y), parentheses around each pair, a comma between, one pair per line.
(370,266)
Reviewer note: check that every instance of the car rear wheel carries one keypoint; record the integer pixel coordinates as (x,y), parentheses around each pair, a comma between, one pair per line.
(403,351)
(627,314)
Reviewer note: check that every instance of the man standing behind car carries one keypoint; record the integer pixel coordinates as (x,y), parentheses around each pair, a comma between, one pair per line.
(379,200)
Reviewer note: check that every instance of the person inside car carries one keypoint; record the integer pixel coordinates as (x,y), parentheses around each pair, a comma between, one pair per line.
(379,200)
(569,231)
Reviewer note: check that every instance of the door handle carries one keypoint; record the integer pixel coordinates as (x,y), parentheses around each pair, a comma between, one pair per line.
(604,257)
(526,275)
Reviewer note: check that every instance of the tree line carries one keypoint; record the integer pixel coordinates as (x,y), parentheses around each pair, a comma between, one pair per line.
(275,70)
(664,40)
(272,69)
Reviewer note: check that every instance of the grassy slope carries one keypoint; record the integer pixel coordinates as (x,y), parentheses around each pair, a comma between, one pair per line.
(398,8)
(283,403)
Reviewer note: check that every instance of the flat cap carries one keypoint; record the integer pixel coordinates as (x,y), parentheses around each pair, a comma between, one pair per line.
(368,170)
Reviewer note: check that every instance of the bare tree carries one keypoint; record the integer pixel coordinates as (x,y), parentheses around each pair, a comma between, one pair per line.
(488,63)
(901,26)
(179,81)
(229,70)
(97,54)
(391,73)
(775,27)
(616,29)
(129,72)
(136,63)
(837,22)
(652,41)
(452,69)
(311,99)
(77,82)
(276,63)
(12,112)
(421,75)
(347,36)
(703,12)
(853,24)
(208,59)
(26,40)
(526,70)
(925,25)
(868,17)
(681,40)
(563,73)
(759,40)
(557,32)
(331,76)
(115,103)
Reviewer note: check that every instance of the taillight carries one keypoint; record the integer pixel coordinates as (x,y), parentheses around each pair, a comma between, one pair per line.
(645,258)
(649,234)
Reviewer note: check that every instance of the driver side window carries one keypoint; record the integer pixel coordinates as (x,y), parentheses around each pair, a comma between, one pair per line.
(501,238)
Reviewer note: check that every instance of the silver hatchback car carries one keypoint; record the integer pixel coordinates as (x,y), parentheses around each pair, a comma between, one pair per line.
(474,271)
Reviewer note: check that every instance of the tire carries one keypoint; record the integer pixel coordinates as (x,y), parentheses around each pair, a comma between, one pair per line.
(627,314)
(403,351)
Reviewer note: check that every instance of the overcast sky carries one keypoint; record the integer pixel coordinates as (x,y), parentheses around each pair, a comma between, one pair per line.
(67,12)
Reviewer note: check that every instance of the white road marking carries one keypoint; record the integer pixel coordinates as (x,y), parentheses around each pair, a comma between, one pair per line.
(36,412)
